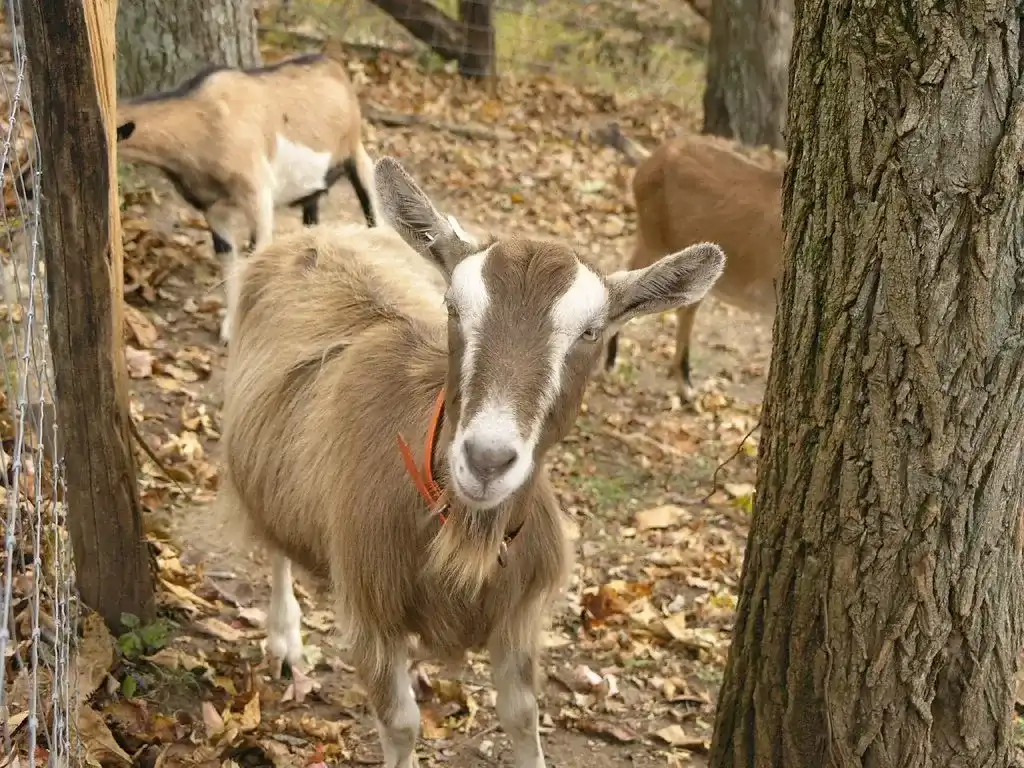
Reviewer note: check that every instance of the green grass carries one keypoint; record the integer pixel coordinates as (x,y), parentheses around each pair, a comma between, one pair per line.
(547,37)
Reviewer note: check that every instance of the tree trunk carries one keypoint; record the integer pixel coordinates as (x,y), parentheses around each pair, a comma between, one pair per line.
(881,608)
(428,24)
(70,47)
(748,68)
(478,32)
(161,43)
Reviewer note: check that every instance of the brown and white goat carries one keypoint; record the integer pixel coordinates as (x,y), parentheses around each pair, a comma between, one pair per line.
(703,187)
(347,338)
(236,143)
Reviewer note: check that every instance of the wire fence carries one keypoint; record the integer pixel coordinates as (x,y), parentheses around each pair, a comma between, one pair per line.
(647,44)
(37,635)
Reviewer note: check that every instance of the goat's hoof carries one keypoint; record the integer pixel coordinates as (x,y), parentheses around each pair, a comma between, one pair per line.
(689,394)
(276,668)
(225,331)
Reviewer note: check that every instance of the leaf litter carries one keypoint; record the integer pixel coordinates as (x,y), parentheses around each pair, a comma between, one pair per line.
(635,652)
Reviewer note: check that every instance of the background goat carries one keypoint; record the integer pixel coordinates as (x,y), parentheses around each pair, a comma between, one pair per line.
(343,340)
(701,187)
(236,143)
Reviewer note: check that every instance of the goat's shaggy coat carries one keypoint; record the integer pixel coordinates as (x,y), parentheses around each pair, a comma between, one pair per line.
(237,143)
(709,188)
(342,342)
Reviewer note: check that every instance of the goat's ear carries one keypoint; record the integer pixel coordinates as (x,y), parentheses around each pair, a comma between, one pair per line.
(408,210)
(671,282)
(126,129)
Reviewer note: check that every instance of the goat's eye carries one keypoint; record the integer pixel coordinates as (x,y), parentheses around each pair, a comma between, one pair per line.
(590,334)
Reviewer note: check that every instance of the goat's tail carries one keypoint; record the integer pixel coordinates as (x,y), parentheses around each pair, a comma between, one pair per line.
(612,136)
(359,169)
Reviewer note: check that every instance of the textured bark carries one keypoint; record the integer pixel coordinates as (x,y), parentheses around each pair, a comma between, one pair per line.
(71,71)
(748,70)
(882,597)
(161,43)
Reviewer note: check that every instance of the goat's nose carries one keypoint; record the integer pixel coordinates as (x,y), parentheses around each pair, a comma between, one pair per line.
(488,458)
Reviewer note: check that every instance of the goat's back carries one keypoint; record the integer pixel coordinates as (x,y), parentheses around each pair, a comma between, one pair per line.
(308,100)
(697,188)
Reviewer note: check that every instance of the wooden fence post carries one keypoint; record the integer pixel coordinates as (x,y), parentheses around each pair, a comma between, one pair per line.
(477,19)
(70,47)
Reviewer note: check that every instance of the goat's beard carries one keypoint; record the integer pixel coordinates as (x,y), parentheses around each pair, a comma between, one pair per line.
(464,553)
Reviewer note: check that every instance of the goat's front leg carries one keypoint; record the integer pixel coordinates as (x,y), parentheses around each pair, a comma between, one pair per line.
(284,619)
(262,206)
(384,671)
(515,678)
(220,219)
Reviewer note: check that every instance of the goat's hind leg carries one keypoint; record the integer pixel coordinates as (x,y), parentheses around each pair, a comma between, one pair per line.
(515,679)
(383,669)
(284,619)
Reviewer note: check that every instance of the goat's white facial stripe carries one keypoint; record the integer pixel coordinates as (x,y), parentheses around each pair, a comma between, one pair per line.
(468,292)
(459,231)
(584,304)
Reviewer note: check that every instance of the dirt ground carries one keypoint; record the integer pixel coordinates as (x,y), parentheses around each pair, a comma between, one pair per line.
(637,647)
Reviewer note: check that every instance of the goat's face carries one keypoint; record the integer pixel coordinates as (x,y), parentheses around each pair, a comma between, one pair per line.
(527,322)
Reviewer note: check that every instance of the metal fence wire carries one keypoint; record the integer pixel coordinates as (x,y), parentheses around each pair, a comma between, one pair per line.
(39,696)
(38,631)
(624,44)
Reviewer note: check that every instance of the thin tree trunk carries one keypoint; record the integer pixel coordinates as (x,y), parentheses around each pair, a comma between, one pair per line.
(478,32)
(881,608)
(161,43)
(748,69)
(428,24)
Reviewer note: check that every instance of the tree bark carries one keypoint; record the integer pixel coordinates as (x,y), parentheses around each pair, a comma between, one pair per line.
(477,60)
(161,43)
(881,608)
(428,24)
(748,69)
(70,47)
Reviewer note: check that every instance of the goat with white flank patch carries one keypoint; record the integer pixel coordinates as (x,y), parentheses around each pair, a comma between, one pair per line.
(346,343)
(237,143)
(705,188)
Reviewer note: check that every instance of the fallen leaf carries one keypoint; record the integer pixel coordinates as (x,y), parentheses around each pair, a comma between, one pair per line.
(220,630)
(14,721)
(212,720)
(100,747)
(225,683)
(606,730)
(432,725)
(186,597)
(175,658)
(738,490)
(253,616)
(300,687)
(180,374)
(139,362)
(249,720)
(605,603)
(95,656)
(321,621)
(132,716)
(654,518)
(676,625)
(141,328)
(677,737)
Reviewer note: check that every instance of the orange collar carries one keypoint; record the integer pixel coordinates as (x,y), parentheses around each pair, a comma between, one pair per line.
(432,493)
(436,498)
